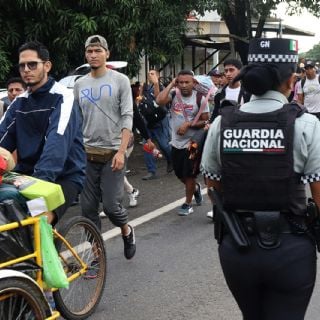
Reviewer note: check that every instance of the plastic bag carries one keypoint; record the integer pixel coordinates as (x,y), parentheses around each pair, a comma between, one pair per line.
(53,273)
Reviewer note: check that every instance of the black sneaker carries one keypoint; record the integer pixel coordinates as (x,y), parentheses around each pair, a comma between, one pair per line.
(129,242)
(197,194)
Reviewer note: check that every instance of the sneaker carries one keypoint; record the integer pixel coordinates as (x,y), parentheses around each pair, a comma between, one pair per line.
(92,271)
(210,214)
(132,200)
(197,194)
(185,210)
(129,242)
(150,176)
(102,215)
(136,192)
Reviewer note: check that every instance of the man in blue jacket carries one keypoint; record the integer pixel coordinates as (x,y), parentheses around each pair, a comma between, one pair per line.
(44,125)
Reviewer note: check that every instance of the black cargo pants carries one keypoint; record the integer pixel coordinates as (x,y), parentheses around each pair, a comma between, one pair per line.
(273,284)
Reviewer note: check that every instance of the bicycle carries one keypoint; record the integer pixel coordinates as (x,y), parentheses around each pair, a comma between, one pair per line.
(81,251)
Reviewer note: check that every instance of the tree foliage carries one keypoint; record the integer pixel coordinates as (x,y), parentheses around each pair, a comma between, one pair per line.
(238,15)
(131,27)
(313,54)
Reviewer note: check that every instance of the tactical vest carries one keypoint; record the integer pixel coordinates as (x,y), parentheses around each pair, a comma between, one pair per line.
(257,161)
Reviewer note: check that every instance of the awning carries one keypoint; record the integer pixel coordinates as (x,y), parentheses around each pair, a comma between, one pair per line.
(284,29)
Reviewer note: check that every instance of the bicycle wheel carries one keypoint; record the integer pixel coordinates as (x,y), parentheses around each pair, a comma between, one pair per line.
(84,293)
(21,300)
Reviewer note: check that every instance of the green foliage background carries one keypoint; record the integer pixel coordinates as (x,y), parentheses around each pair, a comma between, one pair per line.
(313,54)
(131,27)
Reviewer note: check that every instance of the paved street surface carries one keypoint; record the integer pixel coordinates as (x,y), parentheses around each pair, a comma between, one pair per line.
(176,273)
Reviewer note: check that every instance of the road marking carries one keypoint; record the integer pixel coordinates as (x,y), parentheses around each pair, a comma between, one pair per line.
(147,217)
(82,247)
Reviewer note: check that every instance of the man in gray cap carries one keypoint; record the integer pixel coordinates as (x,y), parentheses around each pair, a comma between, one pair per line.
(105,98)
(256,159)
(309,89)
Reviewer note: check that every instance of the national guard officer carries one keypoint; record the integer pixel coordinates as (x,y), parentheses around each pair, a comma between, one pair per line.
(257,160)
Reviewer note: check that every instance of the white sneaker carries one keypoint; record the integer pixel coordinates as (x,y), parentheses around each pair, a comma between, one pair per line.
(132,200)
(135,192)
(210,214)
(102,215)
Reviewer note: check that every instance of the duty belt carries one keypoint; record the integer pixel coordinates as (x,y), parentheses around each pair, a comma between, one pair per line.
(268,225)
(99,155)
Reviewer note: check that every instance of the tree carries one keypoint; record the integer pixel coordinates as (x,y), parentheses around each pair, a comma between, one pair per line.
(314,53)
(238,16)
(131,27)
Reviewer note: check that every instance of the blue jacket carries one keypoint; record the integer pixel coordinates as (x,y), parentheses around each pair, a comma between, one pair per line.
(46,129)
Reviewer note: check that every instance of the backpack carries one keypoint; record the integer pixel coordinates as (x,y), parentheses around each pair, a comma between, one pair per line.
(221,102)
(148,108)
(303,81)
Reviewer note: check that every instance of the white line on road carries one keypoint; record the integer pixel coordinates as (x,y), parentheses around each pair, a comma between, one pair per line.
(136,222)
(147,217)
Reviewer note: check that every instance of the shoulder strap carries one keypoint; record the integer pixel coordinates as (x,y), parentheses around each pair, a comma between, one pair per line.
(199,98)
(179,98)
(173,95)
(301,109)
(223,92)
(243,95)
(240,95)
(227,103)
(203,105)
(200,106)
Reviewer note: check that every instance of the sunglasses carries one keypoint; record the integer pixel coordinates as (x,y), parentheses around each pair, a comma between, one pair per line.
(32,65)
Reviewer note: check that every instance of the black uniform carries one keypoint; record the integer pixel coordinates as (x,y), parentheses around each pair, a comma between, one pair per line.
(261,187)
(261,153)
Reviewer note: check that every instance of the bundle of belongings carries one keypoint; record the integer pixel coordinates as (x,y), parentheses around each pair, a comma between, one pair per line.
(206,91)
(205,86)
(21,197)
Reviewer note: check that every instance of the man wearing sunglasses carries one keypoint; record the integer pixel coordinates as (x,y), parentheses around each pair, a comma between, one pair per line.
(44,126)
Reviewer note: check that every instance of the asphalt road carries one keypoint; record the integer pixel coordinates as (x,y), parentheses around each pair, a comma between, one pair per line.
(176,272)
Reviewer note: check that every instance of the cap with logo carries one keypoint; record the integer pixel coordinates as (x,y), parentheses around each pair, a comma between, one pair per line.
(96,40)
(273,50)
(309,63)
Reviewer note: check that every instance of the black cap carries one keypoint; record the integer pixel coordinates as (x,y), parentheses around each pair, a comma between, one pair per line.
(309,63)
(275,50)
